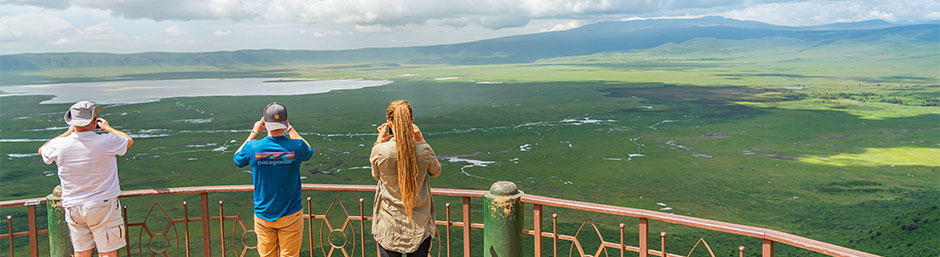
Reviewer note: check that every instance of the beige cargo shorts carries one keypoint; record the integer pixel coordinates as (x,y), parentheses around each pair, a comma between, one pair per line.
(96,224)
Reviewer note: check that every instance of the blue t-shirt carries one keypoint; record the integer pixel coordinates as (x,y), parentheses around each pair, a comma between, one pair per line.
(275,172)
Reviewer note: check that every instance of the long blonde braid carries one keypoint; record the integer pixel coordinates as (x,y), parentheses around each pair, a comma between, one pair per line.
(400,114)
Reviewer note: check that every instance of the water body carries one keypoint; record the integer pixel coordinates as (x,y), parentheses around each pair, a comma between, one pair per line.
(142,91)
(472,163)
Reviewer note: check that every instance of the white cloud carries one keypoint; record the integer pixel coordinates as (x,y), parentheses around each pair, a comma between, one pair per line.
(372,28)
(102,31)
(220,33)
(825,12)
(933,14)
(183,10)
(326,34)
(503,21)
(336,32)
(390,13)
(85,25)
(493,14)
(878,14)
(30,26)
(496,14)
(174,30)
(563,26)
(98,32)
(62,41)
(55,4)
(637,18)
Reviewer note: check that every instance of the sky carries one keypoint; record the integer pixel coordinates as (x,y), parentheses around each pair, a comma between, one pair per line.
(129,26)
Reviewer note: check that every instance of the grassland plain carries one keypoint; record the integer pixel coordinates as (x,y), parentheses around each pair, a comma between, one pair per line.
(704,128)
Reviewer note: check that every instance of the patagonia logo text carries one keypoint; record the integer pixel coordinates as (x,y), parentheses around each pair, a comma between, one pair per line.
(274,158)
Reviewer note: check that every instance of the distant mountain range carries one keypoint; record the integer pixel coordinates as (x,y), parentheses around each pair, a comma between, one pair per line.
(588,39)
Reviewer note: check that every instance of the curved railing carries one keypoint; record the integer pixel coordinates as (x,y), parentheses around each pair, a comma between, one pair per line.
(769,237)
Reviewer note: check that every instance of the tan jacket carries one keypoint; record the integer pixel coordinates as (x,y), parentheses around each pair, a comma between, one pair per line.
(390,227)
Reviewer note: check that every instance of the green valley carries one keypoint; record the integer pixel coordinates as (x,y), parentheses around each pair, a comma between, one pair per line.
(831,136)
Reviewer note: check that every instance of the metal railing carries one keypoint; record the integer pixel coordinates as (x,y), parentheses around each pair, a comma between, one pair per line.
(349,225)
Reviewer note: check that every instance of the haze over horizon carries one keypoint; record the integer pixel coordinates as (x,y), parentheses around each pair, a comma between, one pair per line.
(225,25)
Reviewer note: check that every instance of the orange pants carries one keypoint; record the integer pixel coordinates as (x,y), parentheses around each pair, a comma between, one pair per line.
(282,237)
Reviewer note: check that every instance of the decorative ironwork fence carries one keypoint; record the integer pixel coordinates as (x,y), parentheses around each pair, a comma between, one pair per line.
(346,237)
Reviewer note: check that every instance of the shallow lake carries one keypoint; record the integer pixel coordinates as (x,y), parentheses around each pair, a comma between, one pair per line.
(141,91)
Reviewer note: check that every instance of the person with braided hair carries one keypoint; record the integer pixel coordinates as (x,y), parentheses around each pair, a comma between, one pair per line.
(401,163)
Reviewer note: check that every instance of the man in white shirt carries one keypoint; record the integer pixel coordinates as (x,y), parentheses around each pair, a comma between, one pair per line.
(88,175)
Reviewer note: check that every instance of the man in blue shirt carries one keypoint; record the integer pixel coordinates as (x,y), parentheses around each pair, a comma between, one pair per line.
(275,172)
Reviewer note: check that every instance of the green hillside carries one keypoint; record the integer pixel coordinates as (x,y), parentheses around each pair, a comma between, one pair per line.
(589,39)
(914,233)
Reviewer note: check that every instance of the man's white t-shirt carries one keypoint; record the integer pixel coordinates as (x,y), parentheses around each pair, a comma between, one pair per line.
(87,165)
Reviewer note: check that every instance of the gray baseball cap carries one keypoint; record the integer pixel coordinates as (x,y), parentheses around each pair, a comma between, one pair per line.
(275,116)
(82,113)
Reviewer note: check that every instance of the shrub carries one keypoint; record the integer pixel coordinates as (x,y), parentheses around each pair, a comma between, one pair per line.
(909,227)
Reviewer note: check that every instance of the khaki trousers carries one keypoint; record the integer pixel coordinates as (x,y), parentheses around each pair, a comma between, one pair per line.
(282,237)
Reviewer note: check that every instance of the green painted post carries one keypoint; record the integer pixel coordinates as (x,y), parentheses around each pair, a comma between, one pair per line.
(502,221)
(60,244)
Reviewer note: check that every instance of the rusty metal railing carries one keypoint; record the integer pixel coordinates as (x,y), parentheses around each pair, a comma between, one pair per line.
(348,231)
(33,232)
